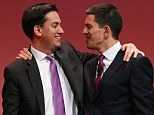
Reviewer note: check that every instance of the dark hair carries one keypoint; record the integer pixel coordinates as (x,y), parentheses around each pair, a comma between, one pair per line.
(107,14)
(35,15)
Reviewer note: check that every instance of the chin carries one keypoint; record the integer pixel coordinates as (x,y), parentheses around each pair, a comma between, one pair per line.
(89,47)
(58,44)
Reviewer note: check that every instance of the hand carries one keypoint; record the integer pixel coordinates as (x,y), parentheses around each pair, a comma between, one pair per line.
(24,54)
(130,50)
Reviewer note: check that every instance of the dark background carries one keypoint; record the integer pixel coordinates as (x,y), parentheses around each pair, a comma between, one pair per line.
(138,25)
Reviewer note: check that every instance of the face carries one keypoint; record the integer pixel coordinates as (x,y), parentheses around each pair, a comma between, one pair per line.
(93,33)
(51,31)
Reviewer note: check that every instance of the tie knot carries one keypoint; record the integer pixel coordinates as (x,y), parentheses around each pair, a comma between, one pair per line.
(50,58)
(101,57)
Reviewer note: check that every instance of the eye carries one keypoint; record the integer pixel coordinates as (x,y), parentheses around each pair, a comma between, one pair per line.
(88,26)
(55,25)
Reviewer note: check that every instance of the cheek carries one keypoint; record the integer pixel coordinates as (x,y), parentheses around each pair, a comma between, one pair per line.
(95,35)
(51,31)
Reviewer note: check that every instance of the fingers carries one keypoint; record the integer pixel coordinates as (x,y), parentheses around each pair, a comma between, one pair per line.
(128,53)
(142,53)
(21,56)
(27,53)
(124,47)
(24,54)
(135,53)
(130,50)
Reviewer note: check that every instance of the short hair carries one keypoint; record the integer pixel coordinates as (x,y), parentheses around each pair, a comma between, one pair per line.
(107,14)
(35,15)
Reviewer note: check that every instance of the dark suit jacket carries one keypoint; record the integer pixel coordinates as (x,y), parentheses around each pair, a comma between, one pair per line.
(125,89)
(23,91)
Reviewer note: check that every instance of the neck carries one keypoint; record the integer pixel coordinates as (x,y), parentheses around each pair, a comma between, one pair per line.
(42,48)
(109,43)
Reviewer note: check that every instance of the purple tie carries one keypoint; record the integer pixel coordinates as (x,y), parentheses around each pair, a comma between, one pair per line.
(56,88)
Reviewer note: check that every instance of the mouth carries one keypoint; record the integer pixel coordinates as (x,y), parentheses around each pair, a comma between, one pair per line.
(58,37)
(87,38)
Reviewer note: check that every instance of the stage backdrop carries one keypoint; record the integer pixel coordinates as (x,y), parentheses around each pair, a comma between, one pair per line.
(138,25)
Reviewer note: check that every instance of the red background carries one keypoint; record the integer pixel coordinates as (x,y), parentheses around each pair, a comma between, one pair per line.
(138,25)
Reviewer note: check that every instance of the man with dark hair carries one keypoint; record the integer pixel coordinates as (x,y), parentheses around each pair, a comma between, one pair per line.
(51,83)
(114,87)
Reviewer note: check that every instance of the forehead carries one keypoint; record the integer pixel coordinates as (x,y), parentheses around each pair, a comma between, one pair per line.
(53,16)
(89,18)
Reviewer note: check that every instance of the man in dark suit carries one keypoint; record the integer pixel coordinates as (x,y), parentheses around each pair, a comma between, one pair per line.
(114,87)
(28,88)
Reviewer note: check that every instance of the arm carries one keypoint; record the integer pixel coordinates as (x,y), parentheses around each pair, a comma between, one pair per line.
(10,94)
(141,87)
(129,48)
(83,56)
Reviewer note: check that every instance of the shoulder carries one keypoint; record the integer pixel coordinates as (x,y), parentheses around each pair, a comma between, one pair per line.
(16,68)
(18,63)
(66,45)
(141,60)
(142,66)
(66,49)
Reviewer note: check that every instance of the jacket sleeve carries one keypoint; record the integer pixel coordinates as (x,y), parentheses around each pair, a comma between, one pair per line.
(142,87)
(83,56)
(10,94)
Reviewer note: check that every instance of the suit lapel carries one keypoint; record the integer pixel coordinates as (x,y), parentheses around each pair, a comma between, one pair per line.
(90,75)
(108,74)
(115,65)
(36,83)
(73,72)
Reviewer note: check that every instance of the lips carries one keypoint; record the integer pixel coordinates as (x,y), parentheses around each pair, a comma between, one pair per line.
(88,37)
(58,37)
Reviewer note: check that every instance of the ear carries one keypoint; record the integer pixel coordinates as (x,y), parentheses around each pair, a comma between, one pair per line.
(37,30)
(107,31)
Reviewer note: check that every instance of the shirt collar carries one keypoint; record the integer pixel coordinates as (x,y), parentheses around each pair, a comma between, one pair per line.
(111,53)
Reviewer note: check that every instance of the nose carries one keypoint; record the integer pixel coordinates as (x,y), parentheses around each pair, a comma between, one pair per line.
(60,30)
(84,30)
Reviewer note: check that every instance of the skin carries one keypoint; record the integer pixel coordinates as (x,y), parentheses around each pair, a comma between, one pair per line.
(97,38)
(48,36)
(100,38)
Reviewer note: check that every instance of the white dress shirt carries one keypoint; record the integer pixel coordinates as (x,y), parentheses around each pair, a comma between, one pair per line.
(44,69)
(110,54)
